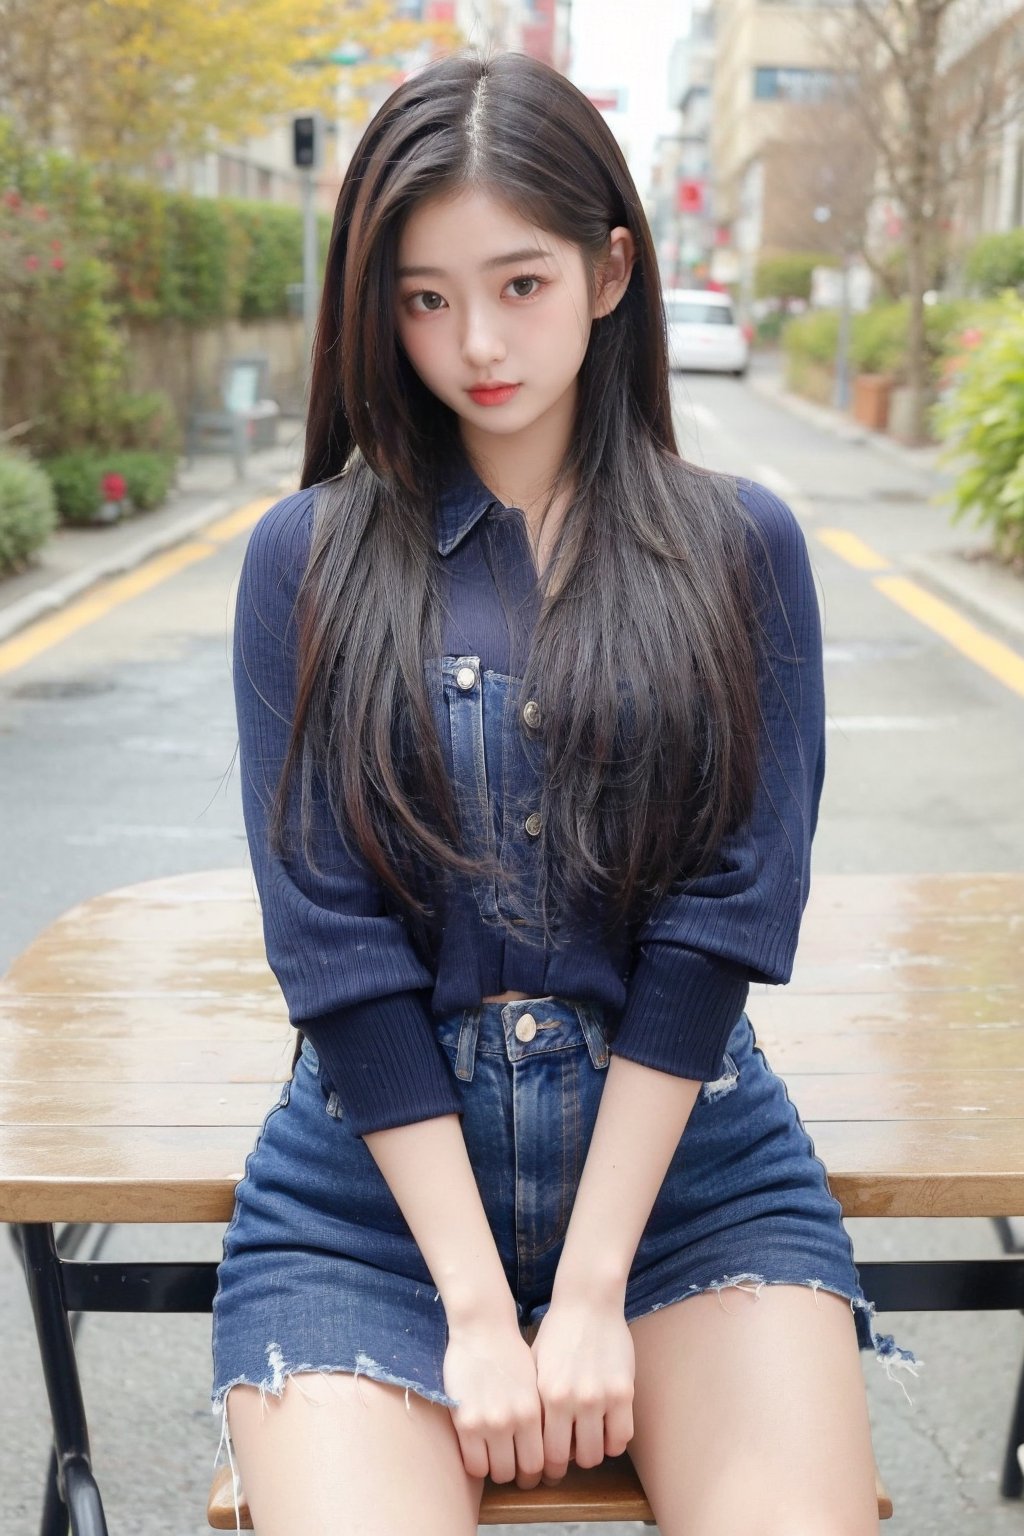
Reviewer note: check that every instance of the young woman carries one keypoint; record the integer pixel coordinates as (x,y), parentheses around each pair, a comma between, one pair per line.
(531,729)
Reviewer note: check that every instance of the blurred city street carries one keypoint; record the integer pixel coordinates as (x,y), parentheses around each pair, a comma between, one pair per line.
(118,744)
(198,237)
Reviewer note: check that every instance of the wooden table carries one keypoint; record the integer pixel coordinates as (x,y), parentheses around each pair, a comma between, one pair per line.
(143,1038)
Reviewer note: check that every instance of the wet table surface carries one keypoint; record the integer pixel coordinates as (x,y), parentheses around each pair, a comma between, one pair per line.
(143,1039)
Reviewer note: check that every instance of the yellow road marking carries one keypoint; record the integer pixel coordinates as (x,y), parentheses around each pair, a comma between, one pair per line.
(44,633)
(853,550)
(984,650)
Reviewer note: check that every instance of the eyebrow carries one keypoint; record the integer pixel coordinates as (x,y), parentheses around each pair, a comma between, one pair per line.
(529,253)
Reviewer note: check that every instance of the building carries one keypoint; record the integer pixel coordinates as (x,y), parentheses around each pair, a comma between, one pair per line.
(987,61)
(793,166)
(681,207)
(783,178)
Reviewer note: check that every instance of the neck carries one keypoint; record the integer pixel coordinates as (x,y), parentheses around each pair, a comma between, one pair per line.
(521,468)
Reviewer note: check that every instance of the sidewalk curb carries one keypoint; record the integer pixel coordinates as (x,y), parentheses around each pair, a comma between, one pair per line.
(946,574)
(987,607)
(923,460)
(50,599)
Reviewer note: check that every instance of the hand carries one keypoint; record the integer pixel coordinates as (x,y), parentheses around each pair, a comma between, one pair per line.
(489,1370)
(585,1372)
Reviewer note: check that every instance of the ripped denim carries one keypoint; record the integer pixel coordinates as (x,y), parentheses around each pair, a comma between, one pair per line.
(320,1272)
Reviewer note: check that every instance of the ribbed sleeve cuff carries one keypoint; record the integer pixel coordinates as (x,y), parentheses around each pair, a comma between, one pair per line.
(681,1008)
(383,1061)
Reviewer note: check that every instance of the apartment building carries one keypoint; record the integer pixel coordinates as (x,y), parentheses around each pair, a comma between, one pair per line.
(680,205)
(792,168)
(779,180)
(985,56)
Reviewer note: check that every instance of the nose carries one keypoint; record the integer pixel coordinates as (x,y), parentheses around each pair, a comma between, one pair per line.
(482,343)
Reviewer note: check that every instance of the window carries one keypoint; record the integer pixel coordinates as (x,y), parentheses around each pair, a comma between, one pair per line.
(776,82)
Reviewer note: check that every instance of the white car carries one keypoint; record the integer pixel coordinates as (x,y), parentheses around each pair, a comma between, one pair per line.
(702,332)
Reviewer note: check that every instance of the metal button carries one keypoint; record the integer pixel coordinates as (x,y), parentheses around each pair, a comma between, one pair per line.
(465,677)
(531,713)
(532,824)
(526,1028)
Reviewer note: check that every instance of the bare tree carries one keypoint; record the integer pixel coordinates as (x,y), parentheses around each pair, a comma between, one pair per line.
(932,86)
(820,176)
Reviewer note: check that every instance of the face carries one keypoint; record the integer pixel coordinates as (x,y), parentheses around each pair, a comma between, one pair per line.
(494,313)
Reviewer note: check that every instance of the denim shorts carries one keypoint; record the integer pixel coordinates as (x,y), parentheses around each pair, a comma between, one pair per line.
(321,1273)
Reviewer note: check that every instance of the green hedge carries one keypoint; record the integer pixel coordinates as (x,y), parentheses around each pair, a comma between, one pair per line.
(28,509)
(812,337)
(77,480)
(146,421)
(203,260)
(996,262)
(788,276)
(134,253)
(878,336)
(982,423)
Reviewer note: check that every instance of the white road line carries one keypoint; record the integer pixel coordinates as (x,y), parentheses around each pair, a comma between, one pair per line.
(704,417)
(783,486)
(776,481)
(853,723)
(706,420)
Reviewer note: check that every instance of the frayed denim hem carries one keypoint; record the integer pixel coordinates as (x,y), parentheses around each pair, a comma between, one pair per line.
(890,1356)
(275,1385)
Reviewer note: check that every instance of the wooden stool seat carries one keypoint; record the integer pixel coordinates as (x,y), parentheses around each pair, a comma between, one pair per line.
(610,1492)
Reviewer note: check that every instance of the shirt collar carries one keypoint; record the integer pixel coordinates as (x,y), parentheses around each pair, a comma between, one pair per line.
(462,502)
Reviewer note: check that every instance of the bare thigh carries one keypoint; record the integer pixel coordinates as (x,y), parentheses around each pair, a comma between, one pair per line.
(341,1456)
(751,1416)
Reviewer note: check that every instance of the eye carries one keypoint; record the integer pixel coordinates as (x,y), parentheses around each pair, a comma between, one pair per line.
(425,302)
(526,287)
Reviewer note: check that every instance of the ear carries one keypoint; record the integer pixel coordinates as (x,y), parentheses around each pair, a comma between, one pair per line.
(615,270)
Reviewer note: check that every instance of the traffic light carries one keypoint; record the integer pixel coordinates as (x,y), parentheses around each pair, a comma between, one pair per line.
(304,141)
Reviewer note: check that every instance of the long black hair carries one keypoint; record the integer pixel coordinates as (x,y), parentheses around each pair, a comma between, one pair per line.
(643,660)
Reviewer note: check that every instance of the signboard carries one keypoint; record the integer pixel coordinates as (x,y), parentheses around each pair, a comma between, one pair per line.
(690,197)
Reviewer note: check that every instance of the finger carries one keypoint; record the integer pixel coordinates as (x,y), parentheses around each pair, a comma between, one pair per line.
(501,1453)
(589,1438)
(529,1455)
(474,1450)
(557,1438)
(618,1428)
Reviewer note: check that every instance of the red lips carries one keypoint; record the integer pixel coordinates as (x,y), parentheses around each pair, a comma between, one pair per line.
(495,392)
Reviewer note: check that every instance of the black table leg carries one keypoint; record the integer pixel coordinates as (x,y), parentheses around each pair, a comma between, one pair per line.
(76,1485)
(1012,1485)
(55,1511)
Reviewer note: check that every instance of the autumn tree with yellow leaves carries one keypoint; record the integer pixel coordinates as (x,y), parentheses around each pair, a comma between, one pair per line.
(119,81)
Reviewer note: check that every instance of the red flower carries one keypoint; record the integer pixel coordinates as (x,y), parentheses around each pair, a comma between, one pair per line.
(12,198)
(57,263)
(113,487)
(31,262)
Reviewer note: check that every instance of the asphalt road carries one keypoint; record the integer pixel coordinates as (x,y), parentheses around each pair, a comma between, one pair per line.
(117,749)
